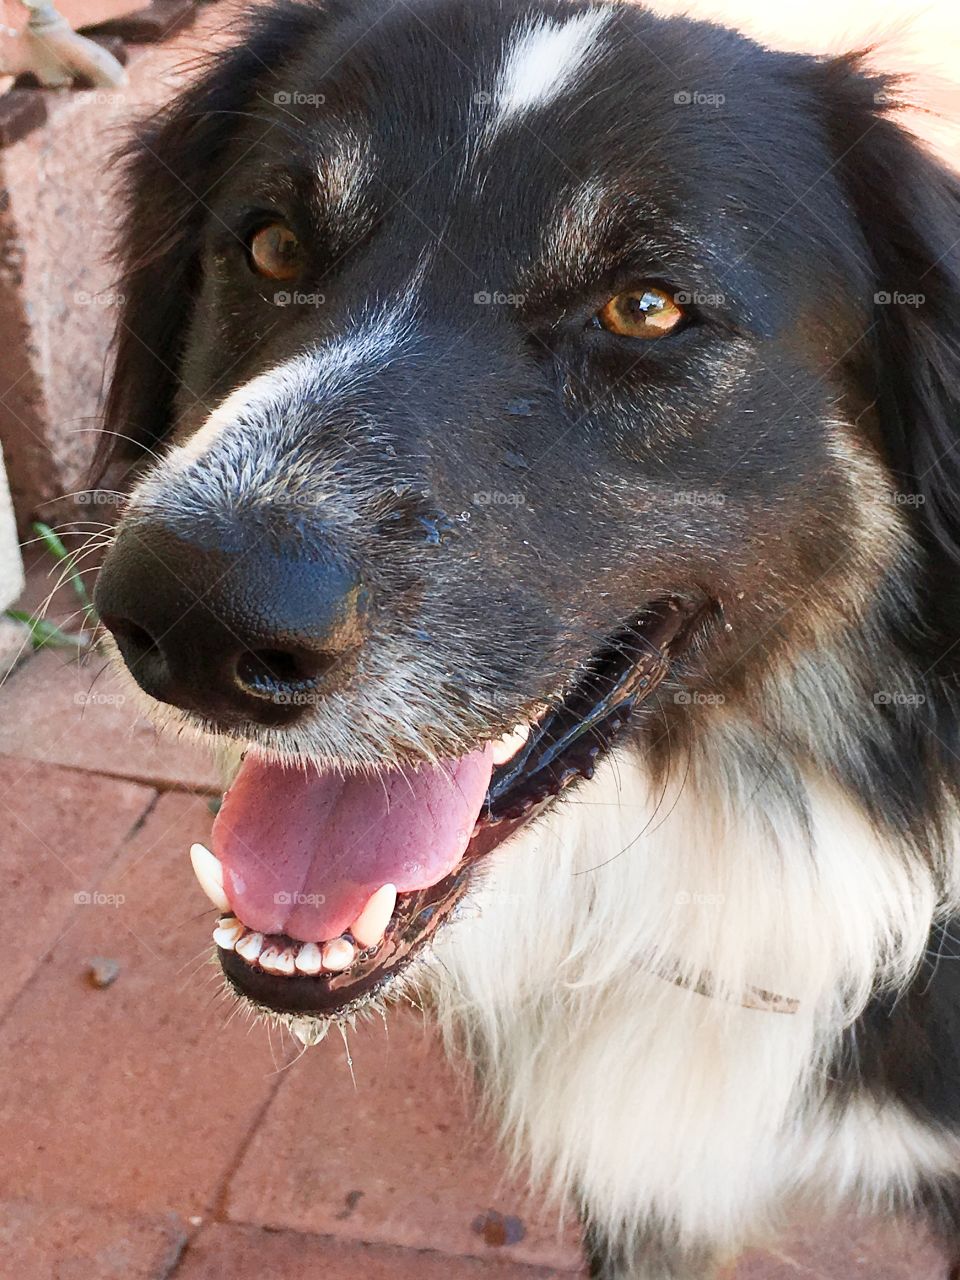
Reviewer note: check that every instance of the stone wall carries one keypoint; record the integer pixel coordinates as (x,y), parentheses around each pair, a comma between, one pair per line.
(58,287)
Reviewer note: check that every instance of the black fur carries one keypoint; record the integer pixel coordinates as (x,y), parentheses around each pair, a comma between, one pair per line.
(804,215)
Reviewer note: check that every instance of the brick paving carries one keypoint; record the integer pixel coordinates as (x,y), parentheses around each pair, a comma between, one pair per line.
(149,1133)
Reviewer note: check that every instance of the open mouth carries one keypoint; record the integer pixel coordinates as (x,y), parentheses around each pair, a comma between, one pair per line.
(330,885)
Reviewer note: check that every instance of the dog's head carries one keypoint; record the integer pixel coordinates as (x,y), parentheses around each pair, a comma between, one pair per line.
(493,363)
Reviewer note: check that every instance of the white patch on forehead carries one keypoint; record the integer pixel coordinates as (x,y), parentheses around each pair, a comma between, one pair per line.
(543,58)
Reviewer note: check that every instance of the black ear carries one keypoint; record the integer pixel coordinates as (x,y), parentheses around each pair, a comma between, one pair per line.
(908,205)
(169,172)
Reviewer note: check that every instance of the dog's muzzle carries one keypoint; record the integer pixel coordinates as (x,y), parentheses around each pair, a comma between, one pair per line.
(331,881)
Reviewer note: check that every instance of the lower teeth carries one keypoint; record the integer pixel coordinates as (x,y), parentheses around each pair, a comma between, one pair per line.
(282,956)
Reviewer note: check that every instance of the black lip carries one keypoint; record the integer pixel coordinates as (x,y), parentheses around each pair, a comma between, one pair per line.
(568,743)
(572,737)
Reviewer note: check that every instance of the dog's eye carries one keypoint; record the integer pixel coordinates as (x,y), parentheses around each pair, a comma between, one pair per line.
(646,313)
(275,252)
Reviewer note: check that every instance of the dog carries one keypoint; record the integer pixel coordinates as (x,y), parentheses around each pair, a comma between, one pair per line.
(543,422)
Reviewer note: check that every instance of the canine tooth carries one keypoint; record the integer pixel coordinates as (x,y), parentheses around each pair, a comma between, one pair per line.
(269,959)
(207,869)
(337,954)
(506,748)
(309,959)
(369,926)
(250,946)
(228,935)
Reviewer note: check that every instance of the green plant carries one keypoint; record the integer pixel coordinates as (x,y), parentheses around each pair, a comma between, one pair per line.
(44,634)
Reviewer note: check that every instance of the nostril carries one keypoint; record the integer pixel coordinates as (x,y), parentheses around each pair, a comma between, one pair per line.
(281,666)
(130,634)
(272,671)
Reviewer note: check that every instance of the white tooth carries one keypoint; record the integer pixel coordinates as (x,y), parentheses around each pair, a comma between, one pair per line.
(209,872)
(250,946)
(506,748)
(337,954)
(226,920)
(286,962)
(309,960)
(269,959)
(370,924)
(228,935)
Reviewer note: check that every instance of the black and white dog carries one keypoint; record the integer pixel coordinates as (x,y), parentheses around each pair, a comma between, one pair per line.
(550,415)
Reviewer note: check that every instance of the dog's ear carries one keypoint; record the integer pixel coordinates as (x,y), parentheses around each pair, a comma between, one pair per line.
(168,168)
(908,206)
(169,171)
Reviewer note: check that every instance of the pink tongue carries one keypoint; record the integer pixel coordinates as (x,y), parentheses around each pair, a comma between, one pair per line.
(303,851)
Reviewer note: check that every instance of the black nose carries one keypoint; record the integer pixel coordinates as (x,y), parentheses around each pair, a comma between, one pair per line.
(243,623)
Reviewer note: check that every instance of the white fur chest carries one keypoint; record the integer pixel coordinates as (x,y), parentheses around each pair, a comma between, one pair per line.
(631,1093)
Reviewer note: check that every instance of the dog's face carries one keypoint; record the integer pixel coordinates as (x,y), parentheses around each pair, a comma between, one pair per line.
(499,357)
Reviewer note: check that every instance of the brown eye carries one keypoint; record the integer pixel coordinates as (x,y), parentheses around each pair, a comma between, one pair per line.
(648,312)
(275,252)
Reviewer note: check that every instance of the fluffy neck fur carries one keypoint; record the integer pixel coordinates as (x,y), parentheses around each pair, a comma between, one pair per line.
(628,1093)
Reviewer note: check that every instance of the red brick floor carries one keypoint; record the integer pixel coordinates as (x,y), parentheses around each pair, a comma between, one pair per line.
(147,1132)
